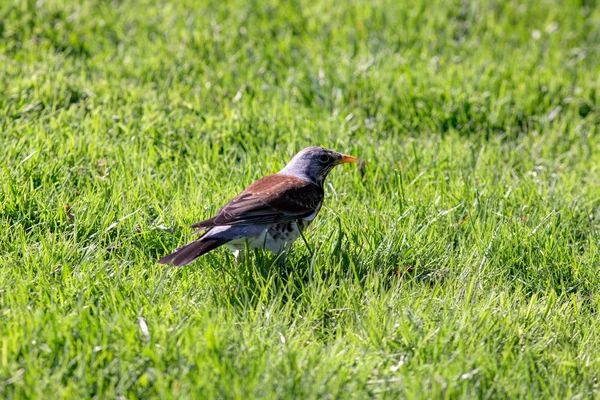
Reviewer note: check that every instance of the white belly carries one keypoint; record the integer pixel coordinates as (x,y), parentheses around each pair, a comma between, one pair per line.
(275,239)
(254,242)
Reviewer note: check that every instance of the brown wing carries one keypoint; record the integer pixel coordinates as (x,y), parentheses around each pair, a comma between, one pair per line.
(272,199)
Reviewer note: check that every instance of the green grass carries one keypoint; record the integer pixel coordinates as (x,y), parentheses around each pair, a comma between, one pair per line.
(463,263)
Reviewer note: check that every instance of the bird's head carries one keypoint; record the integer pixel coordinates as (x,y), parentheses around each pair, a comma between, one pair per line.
(314,163)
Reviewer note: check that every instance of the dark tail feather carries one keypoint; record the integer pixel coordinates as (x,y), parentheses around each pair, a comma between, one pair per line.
(188,253)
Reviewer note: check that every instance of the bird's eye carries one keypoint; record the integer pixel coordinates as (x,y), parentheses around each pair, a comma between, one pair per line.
(324,158)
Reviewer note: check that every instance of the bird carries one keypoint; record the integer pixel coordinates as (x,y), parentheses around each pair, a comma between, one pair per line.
(269,214)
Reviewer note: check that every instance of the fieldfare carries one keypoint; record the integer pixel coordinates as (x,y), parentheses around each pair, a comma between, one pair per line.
(271,213)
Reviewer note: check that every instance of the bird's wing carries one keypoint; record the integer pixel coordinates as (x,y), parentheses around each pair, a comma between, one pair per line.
(272,199)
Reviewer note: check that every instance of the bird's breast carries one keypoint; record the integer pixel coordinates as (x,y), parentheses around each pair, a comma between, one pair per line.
(287,231)
(314,214)
(275,238)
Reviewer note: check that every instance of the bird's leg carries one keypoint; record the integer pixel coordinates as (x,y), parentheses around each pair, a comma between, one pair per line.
(282,258)
(305,241)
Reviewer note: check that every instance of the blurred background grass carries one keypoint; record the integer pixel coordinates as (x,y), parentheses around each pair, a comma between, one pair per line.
(464,262)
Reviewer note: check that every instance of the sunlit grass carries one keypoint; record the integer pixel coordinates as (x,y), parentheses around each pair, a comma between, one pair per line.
(461,262)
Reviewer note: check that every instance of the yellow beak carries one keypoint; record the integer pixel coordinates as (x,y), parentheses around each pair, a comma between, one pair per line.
(346,159)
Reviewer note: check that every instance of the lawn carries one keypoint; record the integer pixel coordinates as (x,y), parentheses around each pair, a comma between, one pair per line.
(462,261)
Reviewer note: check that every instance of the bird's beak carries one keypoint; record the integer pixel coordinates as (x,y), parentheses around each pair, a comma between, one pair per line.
(346,159)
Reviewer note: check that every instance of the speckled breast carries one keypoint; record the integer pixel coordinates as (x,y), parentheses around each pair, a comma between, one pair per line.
(288,231)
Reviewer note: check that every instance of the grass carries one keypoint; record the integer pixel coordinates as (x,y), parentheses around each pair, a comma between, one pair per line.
(464,262)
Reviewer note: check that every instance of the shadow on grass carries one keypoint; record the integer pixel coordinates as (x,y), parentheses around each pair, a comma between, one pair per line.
(260,278)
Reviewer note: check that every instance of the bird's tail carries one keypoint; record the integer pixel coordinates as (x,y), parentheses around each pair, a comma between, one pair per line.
(188,253)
